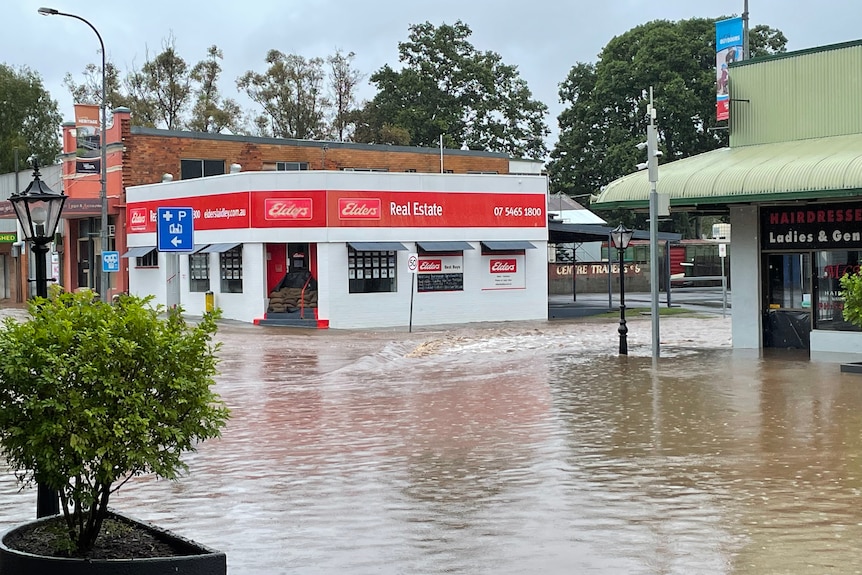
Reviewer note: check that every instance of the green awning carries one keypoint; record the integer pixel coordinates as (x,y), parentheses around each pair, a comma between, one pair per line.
(797,170)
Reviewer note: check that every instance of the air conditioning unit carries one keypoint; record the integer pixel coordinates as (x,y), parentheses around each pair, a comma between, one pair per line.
(112,231)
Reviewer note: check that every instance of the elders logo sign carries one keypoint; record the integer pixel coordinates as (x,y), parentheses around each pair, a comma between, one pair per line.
(504,266)
(287,208)
(430,266)
(359,208)
(138,219)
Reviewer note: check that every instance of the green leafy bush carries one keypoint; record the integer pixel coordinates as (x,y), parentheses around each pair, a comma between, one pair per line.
(92,394)
(851,291)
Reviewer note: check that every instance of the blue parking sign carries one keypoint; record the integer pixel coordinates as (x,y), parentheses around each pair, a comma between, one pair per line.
(110,261)
(175,229)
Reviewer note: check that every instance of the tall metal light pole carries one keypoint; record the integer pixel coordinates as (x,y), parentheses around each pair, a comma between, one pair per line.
(103,175)
(38,210)
(653,154)
(652,160)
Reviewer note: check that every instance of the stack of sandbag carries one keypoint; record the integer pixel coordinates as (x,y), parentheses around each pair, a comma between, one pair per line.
(288,299)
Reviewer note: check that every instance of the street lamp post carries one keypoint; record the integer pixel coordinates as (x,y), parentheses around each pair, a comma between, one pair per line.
(38,210)
(621,236)
(103,179)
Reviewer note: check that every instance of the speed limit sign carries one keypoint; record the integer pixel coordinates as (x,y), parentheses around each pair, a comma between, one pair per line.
(412,263)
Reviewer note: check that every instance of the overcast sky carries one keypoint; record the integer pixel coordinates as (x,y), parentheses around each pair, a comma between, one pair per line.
(543,38)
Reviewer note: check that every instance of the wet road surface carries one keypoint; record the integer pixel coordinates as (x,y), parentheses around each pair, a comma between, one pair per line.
(518,448)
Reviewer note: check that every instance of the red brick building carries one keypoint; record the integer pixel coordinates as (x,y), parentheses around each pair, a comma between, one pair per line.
(137,155)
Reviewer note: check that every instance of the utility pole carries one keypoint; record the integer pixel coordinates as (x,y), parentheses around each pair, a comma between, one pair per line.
(651,165)
(745,53)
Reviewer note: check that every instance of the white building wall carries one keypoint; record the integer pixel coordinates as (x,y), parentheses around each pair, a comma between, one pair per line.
(347,311)
(746,329)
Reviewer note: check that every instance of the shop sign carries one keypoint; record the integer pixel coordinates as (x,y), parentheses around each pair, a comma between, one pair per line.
(8,237)
(504,272)
(811,227)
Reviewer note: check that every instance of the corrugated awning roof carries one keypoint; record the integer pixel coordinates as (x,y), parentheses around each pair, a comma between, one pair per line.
(138,251)
(801,169)
(377,246)
(216,248)
(508,245)
(444,246)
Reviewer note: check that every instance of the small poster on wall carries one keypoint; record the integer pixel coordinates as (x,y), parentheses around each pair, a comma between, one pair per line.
(504,272)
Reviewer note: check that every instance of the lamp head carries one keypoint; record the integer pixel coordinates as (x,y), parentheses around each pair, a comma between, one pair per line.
(38,209)
(621,236)
(48,11)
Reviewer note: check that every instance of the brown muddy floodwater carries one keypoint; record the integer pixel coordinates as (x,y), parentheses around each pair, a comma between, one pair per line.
(518,449)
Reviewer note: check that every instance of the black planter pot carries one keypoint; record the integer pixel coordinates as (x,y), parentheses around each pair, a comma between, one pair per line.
(195,560)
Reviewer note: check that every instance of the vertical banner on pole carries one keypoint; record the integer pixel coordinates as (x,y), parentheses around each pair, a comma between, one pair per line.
(728,49)
(88,139)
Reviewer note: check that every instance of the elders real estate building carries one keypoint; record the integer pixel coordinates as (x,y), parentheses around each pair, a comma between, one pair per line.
(791,184)
(338,218)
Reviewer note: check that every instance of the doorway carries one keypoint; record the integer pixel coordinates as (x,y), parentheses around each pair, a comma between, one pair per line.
(787,300)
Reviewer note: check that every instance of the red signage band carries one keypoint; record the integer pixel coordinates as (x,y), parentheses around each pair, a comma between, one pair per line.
(344,209)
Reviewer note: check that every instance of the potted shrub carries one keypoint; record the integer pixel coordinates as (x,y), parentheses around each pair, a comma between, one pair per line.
(92,394)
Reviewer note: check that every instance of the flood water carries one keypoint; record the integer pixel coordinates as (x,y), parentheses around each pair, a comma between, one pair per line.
(517,449)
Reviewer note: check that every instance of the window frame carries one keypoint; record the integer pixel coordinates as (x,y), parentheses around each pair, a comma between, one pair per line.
(230,270)
(381,265)
(199,272)
(207,167)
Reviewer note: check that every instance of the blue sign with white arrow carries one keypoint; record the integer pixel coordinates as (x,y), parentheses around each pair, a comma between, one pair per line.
(175,230)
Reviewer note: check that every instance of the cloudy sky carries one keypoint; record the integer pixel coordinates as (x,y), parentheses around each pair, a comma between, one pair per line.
(543,38)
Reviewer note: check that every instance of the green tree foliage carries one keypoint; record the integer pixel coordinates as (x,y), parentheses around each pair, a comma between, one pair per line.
(291,93)
(92,394)
(211,112)
(851,291)
(90,90)
(165,83)
(605,117)
(446,87)
(29,119)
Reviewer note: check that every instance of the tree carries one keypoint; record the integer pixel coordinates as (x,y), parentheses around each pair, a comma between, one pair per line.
(290,92)
(160,91)
(606,113)
(29,119)
(446,87)
(212,113)
(93,394)
(90,90)
(343,80)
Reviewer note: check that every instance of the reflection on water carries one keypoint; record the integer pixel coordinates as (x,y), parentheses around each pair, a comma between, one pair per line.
(511,452)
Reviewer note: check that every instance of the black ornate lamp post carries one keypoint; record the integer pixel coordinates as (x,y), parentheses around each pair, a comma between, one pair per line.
(38,210)
(621,236)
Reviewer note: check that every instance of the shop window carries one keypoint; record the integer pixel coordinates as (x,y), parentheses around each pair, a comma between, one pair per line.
(230,263)
(190,169)
(291,166)
(371,272)
(199,272)
(148,260)
(831,266)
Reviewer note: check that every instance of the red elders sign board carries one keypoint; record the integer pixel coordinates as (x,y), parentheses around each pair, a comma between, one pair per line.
(346,209)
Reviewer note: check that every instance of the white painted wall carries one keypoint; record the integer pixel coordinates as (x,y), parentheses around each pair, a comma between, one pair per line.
(346,310)
(746,330)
